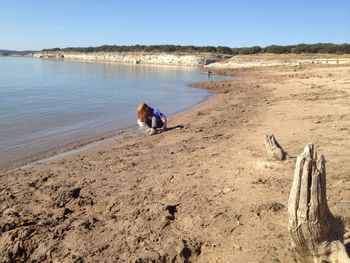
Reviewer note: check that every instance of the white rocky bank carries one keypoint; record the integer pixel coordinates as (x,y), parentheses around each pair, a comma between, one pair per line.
(134,57)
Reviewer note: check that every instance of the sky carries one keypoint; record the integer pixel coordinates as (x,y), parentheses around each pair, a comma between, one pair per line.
(38,24)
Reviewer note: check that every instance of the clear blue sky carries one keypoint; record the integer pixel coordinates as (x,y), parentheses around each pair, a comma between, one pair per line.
(37,24)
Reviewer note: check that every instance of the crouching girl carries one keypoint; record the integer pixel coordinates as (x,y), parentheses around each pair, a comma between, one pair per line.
(152,117)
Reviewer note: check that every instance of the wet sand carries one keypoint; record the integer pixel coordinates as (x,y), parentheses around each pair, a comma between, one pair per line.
(204,191)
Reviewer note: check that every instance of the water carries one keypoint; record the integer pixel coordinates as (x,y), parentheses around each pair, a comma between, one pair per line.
(45,104)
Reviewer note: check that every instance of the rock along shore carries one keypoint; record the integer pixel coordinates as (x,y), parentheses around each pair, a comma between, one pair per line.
(176,59)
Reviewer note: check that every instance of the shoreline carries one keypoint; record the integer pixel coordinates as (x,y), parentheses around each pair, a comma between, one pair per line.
(80,142)
(201,60)
(207,188)
(79,146)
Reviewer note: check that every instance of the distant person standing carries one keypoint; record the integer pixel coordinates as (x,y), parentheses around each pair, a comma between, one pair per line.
(209,72)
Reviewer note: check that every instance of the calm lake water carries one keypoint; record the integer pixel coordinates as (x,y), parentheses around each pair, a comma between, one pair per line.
(45,104)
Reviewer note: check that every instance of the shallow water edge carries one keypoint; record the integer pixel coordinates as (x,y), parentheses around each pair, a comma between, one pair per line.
(80,146)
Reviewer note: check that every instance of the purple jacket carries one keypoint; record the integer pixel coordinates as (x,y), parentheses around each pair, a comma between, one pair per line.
(155,112)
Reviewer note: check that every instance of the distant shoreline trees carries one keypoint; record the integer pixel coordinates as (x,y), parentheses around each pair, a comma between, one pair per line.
(276,49)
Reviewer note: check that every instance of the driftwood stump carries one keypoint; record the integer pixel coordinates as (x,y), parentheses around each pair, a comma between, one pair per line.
(316,235)
(274,150)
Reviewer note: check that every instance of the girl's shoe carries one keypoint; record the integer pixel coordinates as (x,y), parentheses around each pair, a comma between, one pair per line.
(153,131)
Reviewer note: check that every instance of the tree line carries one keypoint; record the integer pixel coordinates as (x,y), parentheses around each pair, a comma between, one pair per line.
(276,49)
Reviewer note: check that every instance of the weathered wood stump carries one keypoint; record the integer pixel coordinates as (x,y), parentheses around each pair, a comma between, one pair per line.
(316,235)
(274,150)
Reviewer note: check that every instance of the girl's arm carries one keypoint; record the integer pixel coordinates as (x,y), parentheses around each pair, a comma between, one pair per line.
(140,123)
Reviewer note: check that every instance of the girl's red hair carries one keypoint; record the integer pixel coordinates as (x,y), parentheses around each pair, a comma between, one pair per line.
(143,110)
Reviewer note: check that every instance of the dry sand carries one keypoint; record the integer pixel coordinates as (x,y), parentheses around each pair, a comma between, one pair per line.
(201,192)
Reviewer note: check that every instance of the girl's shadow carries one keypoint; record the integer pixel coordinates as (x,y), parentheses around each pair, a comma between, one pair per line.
(175,127)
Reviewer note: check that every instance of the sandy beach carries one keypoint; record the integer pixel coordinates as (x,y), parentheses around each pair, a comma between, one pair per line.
(204,191)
